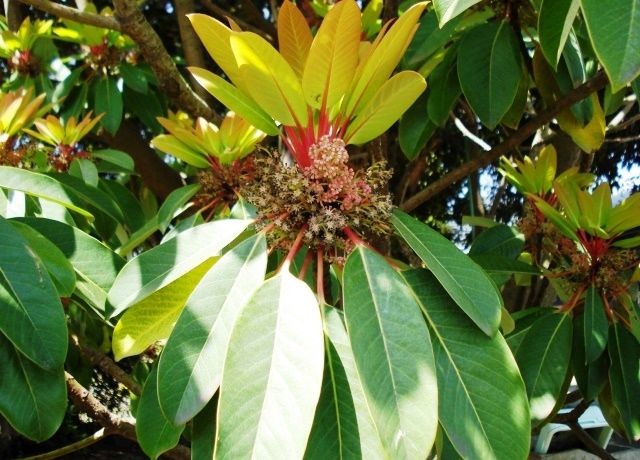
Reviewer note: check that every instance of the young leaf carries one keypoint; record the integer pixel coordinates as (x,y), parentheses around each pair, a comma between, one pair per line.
(170,144)
(467,284)
(167,262)
(392,351)
(596,325)
(554,24)
(614,28)
(490,69)
(481,396)
(333,56)
(294,36)
(272,373)
(190,367)
(32,316)
(32,400)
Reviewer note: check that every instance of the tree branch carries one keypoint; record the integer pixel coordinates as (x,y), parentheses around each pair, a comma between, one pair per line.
(191,46)
(86,402)
(596,83)
(134,24)
(73,14)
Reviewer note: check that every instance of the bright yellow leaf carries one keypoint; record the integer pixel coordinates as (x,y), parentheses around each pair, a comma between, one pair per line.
(294,36)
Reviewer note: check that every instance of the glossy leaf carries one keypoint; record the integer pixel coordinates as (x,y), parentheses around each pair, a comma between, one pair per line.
(624,376)
(467,284)
(174,203)
(490,69)
(385,108)
(543,358)
(596,325)
(155,433)
(482,399)
(449,9)
(167,262)
(41,186)
(270,80)
(415,128)
(590,377)
(428,40)
(500,240)
(108,100)
(153,318)
(33,400)
(170,144)
(191,364)
(333,56)
(32,316)
(393,355)
(554,24)
(614,28)
(335,330)
(294,36)
(445,89)
(272,373)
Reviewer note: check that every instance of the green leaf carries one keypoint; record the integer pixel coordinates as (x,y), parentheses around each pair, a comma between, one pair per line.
(203,432)
(155,433)
(191,364)
(415,128)
(84,170)
(614,29)
(596,325)
(272,373)
(167,262)
(543,357)
(41,186)
(59,268)
(115,157)
(152,319)
(392,351)
(108,100)
(445,89)
(490,69)
(624,375)
(501,240)
(464,280)
(133,77)
(481,397)
(449,9)
(335,330)
(32,316)
(174,204)
(590,377)
(428,40)
(147,107)
(554,24)
(32,400)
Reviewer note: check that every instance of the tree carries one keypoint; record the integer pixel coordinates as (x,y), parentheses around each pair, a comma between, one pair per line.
(247,274)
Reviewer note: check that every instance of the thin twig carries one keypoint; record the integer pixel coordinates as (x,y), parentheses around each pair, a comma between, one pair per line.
(589,442)
(596,83)
(74,447)
(74,14)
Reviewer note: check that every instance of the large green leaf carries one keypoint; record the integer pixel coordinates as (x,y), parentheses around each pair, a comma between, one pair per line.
(482,400)
(490,69)
(32,316)
(155,433)
(500,240)
(33,400)
(590,377)
(624,375)
(393,354)
(272,373)
(59,268)
(467,284)
(554,24)
(153,318)
(108,100)
(429,39)
(203,432)
(95,264)
(167,262)
(596,325)
(335,330)
(335,427)
(41,186)
(191,364)
(449,9)
(415,128)
(543,354)
(614,28)
(445,89)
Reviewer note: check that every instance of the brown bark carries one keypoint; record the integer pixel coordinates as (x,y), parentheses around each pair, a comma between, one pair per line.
(191,46)
(67,12)
(596,83)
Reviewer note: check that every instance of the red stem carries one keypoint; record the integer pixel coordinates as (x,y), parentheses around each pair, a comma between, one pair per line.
(320,276)
(295,247)
(305,264)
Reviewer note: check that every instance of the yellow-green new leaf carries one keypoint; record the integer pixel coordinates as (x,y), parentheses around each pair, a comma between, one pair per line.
(235,100)
(391,101)
(153,319)
(333,56)
(373,72)
(294,36)
(269,79)
(171,145)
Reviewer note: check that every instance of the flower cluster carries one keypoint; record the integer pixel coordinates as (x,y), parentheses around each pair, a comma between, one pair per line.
(321,200)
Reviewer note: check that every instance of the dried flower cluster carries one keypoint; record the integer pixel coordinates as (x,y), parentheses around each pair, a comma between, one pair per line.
(320,200)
